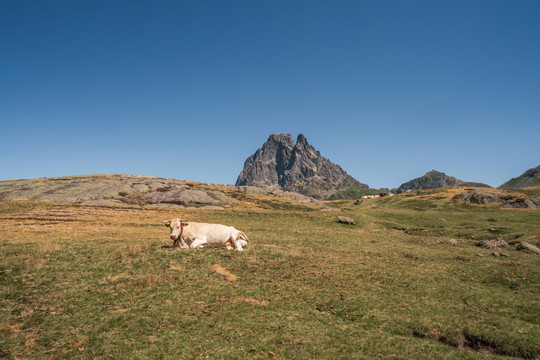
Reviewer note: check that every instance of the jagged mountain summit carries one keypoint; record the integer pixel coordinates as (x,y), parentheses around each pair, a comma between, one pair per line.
(529,178)
(280,163)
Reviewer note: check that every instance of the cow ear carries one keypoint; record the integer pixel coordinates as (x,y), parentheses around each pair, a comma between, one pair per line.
(184,224)
(167,223)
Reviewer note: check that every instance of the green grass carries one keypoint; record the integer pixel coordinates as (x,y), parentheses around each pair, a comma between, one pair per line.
(87,282)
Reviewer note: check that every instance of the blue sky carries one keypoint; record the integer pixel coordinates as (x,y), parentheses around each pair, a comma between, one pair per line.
(189,89)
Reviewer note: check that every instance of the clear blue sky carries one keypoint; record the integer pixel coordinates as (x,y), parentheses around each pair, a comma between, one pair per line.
(189,89)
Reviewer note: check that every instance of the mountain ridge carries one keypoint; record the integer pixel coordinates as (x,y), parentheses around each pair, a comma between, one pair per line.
(436,179)
(529,178)
(299,167)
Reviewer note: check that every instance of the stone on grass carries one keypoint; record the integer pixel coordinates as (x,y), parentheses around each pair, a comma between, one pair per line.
(526,246)
(492,244)
(346,220)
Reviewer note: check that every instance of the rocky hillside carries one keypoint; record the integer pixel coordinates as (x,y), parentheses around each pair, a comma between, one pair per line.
(529,178)
(435,179)
(430,180)
(506,199)
(142,190)
(282,164)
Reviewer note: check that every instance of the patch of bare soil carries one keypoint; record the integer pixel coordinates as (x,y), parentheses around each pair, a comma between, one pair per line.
(476,344)
(252,301)
(221,270)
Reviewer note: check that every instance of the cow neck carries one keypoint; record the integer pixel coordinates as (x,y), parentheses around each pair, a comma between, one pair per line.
(181,230)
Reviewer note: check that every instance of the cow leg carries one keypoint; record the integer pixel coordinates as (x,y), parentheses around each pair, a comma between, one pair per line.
(242,238)
(198,243)
(180,242)
(183,244)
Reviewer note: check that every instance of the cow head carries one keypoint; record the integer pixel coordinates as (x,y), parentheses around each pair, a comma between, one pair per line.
(176,226)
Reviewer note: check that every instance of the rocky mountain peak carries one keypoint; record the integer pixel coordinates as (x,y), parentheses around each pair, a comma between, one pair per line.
(431,179)
(301,140)
(280,139)
(299,167)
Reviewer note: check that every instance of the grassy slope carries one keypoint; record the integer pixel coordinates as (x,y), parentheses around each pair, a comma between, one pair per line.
(528,179)
(89,282)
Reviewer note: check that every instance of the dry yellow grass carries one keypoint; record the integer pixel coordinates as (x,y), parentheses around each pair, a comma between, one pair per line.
(175,266)
(252,301)
(221,270)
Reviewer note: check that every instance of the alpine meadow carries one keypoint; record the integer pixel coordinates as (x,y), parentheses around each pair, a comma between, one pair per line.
(271,179)
(407,281)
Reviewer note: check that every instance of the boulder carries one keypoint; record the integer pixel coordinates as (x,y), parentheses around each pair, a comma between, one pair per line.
(346,220)
(526,246)
(492,244)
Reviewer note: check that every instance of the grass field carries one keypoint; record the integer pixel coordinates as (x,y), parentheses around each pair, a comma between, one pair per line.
(82,282)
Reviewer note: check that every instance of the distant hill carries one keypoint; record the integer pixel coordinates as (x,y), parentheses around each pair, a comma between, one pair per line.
(282,164)
(148,191)
(436,179)
(474,184)
(529,178)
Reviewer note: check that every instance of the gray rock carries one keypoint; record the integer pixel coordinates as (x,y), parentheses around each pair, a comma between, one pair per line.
(482,196)
(490,196)
(346,220)
(492,244)
(281,164)
(111,190)
(526,246)
(189,197)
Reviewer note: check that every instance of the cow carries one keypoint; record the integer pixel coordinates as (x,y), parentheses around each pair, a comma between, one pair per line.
(194,235)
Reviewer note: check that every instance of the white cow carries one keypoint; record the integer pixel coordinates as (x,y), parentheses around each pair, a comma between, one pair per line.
(194,235)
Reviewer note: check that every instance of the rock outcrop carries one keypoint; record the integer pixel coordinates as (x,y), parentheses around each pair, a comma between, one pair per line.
(505,199)
(346,220)
(282,164)
(529,178)
(112,190)
(526,246)
(151,191)
(492,244)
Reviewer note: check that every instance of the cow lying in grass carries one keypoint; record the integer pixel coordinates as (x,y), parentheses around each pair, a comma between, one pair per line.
(195,235)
